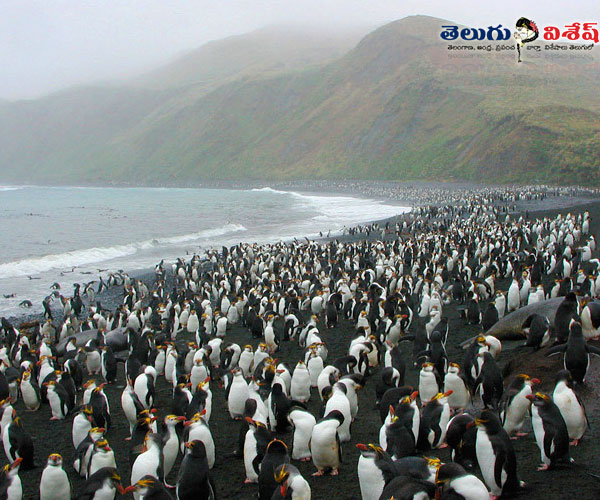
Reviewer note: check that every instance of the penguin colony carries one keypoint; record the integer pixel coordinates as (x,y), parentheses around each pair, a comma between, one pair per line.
(290,420)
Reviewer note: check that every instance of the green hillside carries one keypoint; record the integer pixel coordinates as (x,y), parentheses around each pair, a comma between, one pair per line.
(394,107)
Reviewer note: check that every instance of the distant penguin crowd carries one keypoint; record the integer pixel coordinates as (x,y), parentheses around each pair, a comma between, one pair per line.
(393,288)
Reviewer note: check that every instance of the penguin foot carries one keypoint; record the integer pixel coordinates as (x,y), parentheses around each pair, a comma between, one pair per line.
(442,446)
(318,473)
(522,434)
(575,442)
(334,472)
(305,459)
(543,467)
(128,438)
(54,418)
(247,481)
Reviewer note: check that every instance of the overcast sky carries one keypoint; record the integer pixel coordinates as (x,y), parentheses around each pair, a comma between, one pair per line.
(46,45)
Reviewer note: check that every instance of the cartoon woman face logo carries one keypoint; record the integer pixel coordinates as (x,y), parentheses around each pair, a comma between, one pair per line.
(526,32)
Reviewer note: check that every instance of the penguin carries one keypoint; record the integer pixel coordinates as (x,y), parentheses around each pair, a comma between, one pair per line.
(435,416)
(590,319)
(397,435)
(30,391)
(148,488)
(292,484)
(144,387)
(54,484)
(461,435)
(256,441)
(102,456)
(84,450)
(495,455)
(339,401)
(11,487)
(100,407)
(455,383)
(275,456)
(566,311)
(457,483)
(402,487)
(490,316)
(576,353)
(198,429)
(325,446)
(170,444)
(58,399)
(246,361)
(374,465)
(300,386)
(514,405)
(570,406)
(238,394)
(194,481)
(550,431)
(303,423)
(429,382)
(489,382)
(148,463)
(537,329)
(108,364)
(93,359)
(18,443)
(104,484)
(82,423)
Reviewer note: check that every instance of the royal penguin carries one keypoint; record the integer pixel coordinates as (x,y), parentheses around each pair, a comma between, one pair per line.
(325,444)
(54,484)
(303,423)
(457,483)
(514,406)
(194,481)
(495,455)
(570,406)
(551,434)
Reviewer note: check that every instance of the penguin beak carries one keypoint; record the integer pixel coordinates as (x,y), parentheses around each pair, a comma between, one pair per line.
(16,463)
(362,447)
(536,381)
(129,489)
(531,397)
(446,394)
(120,489)
(180,419)
(283,489)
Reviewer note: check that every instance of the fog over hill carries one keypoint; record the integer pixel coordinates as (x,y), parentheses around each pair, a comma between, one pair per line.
(281,104)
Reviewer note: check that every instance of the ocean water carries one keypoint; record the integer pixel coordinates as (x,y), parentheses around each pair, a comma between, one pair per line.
(72,235)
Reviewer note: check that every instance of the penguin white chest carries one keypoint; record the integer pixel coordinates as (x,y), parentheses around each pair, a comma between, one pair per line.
(370,479)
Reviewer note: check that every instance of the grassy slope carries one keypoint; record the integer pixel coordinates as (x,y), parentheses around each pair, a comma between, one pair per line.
(394,107)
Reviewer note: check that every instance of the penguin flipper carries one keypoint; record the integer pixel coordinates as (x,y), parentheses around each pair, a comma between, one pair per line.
(557,349)
(592,349)
(499,466)
(339,446)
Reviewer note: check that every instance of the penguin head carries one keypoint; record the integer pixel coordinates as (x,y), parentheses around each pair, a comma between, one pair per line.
(172,420)
(102,445)
(145,485)
(539,399)
(12,469)
(566,377)
(277,447)
(196,448)
(370,450)
(55,460)
(454,368)
(447,472)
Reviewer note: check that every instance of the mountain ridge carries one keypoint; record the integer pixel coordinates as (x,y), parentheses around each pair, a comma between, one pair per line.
(395,106)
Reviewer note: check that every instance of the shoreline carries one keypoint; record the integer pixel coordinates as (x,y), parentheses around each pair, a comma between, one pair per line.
(535,208)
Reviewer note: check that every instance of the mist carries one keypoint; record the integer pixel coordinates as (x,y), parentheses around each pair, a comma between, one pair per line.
(47,46)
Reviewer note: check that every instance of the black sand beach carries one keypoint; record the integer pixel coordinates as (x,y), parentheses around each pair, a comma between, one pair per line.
(562,483)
